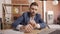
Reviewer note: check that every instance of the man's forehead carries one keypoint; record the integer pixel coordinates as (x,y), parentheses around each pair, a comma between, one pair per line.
(34,6)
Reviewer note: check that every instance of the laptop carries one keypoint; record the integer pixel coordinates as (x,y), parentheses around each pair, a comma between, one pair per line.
(50,31)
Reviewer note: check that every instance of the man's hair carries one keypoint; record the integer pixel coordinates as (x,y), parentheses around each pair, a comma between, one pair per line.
(34,3)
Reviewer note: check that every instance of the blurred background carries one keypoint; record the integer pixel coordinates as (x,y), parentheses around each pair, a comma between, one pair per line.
(10,10)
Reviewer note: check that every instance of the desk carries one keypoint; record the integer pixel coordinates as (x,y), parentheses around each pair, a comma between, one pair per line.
(43,31)
(10,31)
(36,31)
(33,32)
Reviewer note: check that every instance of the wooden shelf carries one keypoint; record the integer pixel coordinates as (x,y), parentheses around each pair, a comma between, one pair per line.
(15,4)
(21,7)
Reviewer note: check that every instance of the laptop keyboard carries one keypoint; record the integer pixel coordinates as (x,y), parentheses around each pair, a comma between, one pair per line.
(55,32)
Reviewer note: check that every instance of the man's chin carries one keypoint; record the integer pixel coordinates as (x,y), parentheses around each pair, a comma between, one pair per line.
(33,14)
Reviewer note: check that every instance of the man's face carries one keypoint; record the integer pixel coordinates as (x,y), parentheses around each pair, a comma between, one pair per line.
(33,9)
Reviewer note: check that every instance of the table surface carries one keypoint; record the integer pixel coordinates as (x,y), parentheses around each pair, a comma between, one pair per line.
(10,31)
(33,32)
(36,31)
(46,30)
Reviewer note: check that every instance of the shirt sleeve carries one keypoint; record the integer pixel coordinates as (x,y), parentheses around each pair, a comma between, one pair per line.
(17,22)
(38,25)
(41,22)
(18,27)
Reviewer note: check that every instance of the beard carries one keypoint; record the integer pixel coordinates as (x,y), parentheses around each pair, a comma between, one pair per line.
(33,14)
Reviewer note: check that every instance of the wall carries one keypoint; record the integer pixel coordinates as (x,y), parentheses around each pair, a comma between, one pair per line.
(20,1)
(40,10)
(3,1)
(20,8)
(59,8)
(54,8)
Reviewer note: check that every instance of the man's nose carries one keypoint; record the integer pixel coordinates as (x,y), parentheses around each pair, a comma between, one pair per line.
(33,11)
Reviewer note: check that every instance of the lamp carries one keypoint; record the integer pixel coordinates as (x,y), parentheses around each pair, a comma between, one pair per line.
(55,2)
(15,10)
(30,1)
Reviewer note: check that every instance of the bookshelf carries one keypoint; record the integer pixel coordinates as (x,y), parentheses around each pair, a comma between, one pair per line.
(12,13)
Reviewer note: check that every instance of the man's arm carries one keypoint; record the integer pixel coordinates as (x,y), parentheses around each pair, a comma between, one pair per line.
(17,22)
(19,27)
(41,22)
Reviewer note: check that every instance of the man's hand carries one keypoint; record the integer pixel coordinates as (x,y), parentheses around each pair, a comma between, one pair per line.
(33,23)
(27,28)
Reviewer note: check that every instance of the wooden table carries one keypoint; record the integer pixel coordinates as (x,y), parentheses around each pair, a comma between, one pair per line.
(36,31)
(11,31)
(33,32)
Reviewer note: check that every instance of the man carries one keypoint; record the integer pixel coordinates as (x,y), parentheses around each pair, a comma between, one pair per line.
(29,20)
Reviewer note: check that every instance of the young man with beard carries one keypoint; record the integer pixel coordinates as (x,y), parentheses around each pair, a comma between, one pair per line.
(29,20)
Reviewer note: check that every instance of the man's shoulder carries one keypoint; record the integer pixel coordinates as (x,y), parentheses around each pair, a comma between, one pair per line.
(38,14)
(25,13)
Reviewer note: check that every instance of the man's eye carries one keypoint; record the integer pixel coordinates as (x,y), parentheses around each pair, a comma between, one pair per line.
(36,9)
(32,8)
